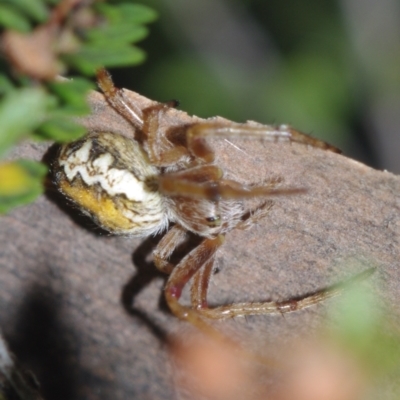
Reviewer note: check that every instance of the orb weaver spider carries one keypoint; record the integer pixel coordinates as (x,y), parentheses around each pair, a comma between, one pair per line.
(138,186)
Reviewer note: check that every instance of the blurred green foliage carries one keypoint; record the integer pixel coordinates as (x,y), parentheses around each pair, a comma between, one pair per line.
(304,80)
(20,183)
(364,328)
(40,40)
(319,66)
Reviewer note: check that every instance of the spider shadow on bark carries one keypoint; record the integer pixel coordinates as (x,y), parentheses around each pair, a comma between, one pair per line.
(146,272)
(44,342)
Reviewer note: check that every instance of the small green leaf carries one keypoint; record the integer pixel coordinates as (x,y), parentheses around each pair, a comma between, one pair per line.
(72,95)
(134,13)
(358,316)
(20,112)
(89,58)
(69,110)
(6,85)
(121,33)
(34,9)
(20,183)
(11,19)
(60,130)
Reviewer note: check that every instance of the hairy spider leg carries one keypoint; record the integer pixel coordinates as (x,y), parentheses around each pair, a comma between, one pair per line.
(180,276)
(202,274)
(205,182)
(174,185)
(184,271)
(148,124)
(202,255)
(202,277)
(162,152)
(170,241)
(199,288)
(117,99)
(199,174)
(282,133)
(270,307)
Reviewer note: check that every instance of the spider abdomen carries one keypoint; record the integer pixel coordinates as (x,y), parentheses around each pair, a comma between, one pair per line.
(110,179)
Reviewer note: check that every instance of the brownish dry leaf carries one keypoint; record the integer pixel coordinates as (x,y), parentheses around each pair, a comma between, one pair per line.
(33,54)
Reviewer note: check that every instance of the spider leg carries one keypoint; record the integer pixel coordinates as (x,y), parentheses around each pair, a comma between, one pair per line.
(202,255)
(252,216)
(202,277)
(282,133)
(198,174)
(117,99)
(170,241)
(181,274)
(176,184)
(191,265)
(162,152)
(275,307)
(201,280)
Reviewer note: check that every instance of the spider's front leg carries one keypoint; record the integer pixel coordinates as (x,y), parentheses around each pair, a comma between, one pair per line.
(160,150)
(117,99)
(281,133)
(189,184)
(216,188)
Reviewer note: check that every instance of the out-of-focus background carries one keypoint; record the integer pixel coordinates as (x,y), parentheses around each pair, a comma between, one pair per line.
(330,68)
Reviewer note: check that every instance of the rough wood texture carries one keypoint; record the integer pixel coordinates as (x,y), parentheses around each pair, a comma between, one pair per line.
(85,312)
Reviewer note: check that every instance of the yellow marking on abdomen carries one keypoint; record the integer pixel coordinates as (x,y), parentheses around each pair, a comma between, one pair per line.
(99,206)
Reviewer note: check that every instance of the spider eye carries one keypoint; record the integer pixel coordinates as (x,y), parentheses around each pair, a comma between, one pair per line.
(215,220)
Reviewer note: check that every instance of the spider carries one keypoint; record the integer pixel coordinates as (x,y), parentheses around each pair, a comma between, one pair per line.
(139,186)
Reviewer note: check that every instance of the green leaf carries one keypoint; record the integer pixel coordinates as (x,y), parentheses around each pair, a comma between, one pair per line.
(6,85)
(60,130)
(120,33)
(69,110)
(358,316)
(11,19)
(133,13)
(89,58)
(20,112)
(72,95)
(20,183)
(34,9)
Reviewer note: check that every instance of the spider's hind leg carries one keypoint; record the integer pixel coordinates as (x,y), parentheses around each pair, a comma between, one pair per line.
(202,255)
(167,245)
(270,307)
(202,277)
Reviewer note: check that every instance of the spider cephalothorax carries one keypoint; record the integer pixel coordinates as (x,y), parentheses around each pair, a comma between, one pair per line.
(138,187)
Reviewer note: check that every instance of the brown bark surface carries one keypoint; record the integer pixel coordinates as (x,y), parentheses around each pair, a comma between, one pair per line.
(84,310)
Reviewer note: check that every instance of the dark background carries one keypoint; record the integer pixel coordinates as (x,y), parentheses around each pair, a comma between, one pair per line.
(329,68)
